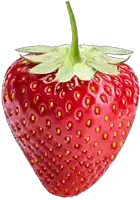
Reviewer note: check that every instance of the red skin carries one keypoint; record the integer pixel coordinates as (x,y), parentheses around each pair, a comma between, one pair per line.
(69,162)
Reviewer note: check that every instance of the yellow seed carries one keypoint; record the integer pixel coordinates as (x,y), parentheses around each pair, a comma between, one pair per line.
(59,145)
(33,117)
(40,128)
(114,144)
(108,89)
(97,110)
(13,96)
(12,81)
(50,79)
(36,145)
(76,156)
(105,135)
(123,133)
(58,131)
(79,114)
(23,90)
(113,107)
(128,124)
(87,101)
(68,152)
(69,106)
(59,113)
(68,139)
(49,89)
(51,104)
(19,69)
(62,166)
(42,142)
(117,92)
(99,152)
(97,79)
(77,95)
(23,78)
(112,157)
(27,137)
(120,124)
(88,123)
(106,118)
(78,173)
(84,151)
(6,97)
(24,122)
(42,109)
(48,122)
(121,143)
(63,94)
(92,88)
(73,168)
(78,133)
(87,165)
(97,129)
(46,154)
(69,124)
(81,162)
(135,101)
(41,157)
(120,114)
(58,87)
(34,85)
(36,99)
(95,144)
(103,98)
(17,110)
(76,146)
(87,139)
(49,136)
(25,105)
(33,132)
(111,125)
(63,181)
(115,134)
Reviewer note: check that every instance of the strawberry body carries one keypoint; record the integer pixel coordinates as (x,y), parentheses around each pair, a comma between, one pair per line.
(69,132)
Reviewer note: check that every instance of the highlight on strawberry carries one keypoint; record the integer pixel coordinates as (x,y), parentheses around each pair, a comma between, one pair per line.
(70,109)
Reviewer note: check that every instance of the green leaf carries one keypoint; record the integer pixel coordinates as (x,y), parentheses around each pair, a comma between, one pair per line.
(83,71)
(65,74)
(113,50)
(36,58)
(36,49)
(44,68)
(105,68)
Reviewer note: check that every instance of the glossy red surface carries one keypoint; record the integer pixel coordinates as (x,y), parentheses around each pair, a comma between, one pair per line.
(70,132)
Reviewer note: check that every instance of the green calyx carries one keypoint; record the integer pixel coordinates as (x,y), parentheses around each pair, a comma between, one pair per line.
(80,60)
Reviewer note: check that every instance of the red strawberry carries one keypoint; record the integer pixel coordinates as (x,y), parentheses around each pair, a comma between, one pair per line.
(69,126)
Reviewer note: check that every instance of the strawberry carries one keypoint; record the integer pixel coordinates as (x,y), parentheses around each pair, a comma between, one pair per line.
(70,109)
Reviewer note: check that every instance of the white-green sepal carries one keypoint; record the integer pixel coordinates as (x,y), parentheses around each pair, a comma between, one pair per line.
(113,50)
(44,68)
(84,72)
(105,68)
(65,74)
(97,55)
(36,49)
(36,58)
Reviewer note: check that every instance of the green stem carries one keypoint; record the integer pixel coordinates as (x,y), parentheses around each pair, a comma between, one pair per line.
(74,51)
